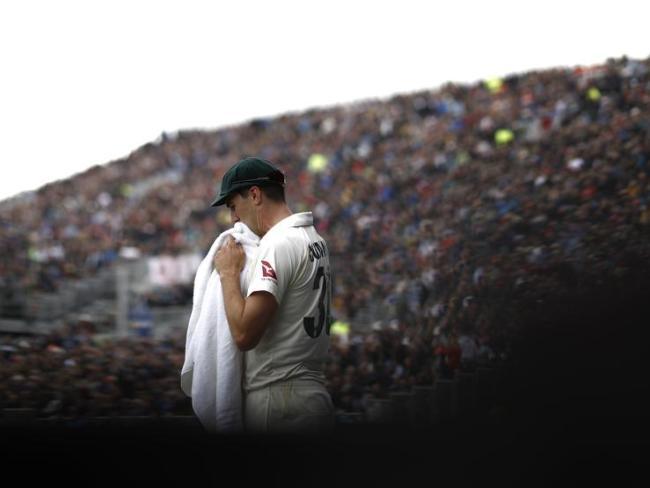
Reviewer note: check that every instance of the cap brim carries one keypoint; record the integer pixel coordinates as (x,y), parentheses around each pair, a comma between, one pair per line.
(219,201)
(265,181)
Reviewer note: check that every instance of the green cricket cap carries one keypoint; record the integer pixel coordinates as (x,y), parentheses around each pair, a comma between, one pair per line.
(251,171)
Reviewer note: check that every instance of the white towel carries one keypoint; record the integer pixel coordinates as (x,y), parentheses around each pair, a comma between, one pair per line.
(212,370)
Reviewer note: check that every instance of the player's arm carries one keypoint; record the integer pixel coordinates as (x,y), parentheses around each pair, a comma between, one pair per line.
(249,317)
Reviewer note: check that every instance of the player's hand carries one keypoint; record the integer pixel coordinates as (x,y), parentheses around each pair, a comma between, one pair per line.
(230,258)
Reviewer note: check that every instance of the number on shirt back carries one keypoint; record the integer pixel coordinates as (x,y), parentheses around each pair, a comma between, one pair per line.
(314,325)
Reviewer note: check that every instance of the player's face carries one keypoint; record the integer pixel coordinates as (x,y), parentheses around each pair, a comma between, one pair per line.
(234,204)
(241,210)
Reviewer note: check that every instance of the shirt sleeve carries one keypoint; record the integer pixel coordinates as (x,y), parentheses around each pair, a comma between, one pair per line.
(271,271)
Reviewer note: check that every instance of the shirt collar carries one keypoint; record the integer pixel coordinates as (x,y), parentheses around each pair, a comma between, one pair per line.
(301,219)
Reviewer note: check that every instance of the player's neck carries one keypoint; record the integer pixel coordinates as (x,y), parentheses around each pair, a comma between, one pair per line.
(272,216)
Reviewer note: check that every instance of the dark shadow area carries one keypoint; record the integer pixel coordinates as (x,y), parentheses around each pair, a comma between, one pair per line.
(579,367)
(571,406)
(572,409)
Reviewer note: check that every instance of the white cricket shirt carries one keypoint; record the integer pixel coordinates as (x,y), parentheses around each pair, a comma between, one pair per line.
(292,264)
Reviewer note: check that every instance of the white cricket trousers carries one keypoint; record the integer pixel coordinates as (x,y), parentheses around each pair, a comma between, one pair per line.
(296,406)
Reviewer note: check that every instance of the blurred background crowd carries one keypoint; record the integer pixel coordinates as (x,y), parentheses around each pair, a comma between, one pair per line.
(448,214)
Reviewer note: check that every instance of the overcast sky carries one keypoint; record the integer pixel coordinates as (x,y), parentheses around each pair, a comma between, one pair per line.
(87,82)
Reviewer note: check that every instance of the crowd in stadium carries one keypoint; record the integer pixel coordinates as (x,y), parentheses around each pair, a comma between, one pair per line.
(75,374)
(70,374)
(444,211)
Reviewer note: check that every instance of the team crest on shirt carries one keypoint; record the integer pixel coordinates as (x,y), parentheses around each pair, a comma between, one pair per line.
(268,271)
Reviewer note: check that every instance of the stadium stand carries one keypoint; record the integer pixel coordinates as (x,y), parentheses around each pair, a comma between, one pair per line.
(458,219)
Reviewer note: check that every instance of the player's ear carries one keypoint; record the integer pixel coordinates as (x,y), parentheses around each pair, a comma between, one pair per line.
(256,194)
